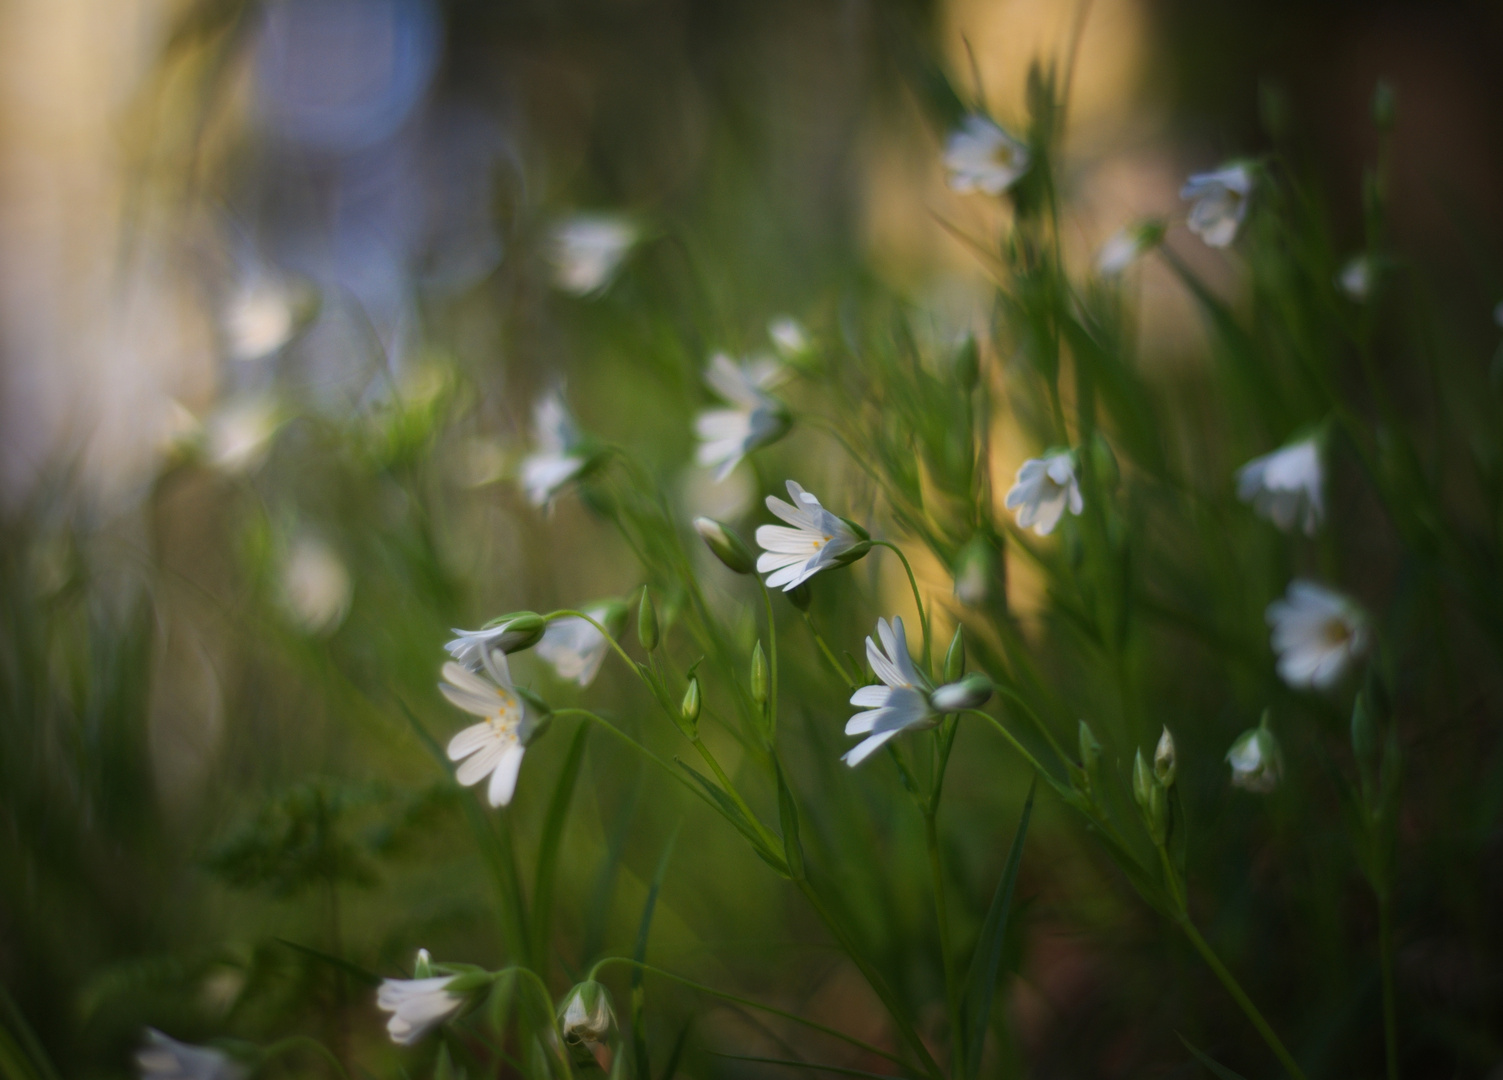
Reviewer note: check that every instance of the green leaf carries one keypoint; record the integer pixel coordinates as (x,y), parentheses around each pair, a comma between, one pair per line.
(793,849)
(1209,1062)
(981,979)
(549,847)
(717,798)
(639,954)
(678,1050)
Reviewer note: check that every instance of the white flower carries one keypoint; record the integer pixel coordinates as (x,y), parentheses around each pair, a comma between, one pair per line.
(164,1058)
(508,634)
(559,456)
(495,746)
(898,705)
(1125,245)
(574,647)
(1356,278)
(983,157)
(787,335)
(1317,634)
(816,542)
(586,251)
(239,433)
(728,435)
(1256,761)
(259,319)
(1045,486)
(417,1006)
(587,1016)
(315,585)
(1285,486)
(1220,203)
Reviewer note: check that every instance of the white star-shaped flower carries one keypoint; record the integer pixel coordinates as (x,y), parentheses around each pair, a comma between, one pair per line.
(417,1006)
(1044,488)
(900,704)
(586,251)
(1220,199)
(728,435)
(493,747)
(574,647)
(983,157)
(1317,633)
(1256,761)
(560,455)
(817,540)
(1286,486)
(164,1058)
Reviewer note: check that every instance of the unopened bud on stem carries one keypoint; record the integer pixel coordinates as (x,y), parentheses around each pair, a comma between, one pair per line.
(971,692)
(647,622)
(726,545)
(759,675)
(1164,764)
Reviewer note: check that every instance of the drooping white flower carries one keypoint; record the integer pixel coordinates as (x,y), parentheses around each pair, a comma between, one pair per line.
(315,585)
(900,704)
(817,540)
(1044,488)
(1356,278)
(560,455)
(164,1058)
(728,435)
(1124,247)
(586,251)
(1286,486)
(1317,633)
(574,647)
(586,1015)
(1256,761)
(1220,199)
(417,1006)
(507,634)
(787,335)
(983,157)
(493,747)
(258,319)
(239,433)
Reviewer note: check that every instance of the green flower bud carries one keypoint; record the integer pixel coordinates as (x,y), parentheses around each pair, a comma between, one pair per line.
(955,656)
(422,967)
(1256,760)
(688,711)
(800,596)
(514,632)
(647,622)
(585,1015)
(1164,765)
(971,692)
(726,545)
(759,675)
(1142,783)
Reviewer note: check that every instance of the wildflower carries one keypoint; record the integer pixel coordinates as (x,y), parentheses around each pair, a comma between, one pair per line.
(1164,762)
(817,541)
(239,434)
(164,1058)
(561,453)
(510,633)
(1256,760)
(315,585)
(1124,247)
(1317,633)
(1220,203)
(728,435)
(1285,486)
(899,704)
(417,1005)
(1045,486)
(1356,278)
(575,647)
(586,251)
(788,336)
(983,157)
(259,319)
(725,544)
(969,692)
(586,1015)
(495,746)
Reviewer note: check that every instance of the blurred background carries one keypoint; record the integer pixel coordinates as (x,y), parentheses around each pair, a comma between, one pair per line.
(279,284)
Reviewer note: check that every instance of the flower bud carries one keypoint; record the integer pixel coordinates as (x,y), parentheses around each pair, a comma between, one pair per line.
(971,692)
(726,545)
(1256,761)
(1163,759)
(1142,784)
(519,630)
(975,572)
(759,675)
(647,622)
(1090,750)
(586,1015)
(800,596)
(422,967)
(688,711)
(955,656)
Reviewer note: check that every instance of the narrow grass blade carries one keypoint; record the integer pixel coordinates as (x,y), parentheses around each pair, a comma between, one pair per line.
(1216,1068)
(639,954)
(552,839)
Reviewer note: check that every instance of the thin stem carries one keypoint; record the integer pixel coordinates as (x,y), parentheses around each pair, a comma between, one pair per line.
(1240,997)
(942,918)
(1019,747)
(735,796)
(562,612)
(917,599)
(772,646)
(829,653)
(1390,1005)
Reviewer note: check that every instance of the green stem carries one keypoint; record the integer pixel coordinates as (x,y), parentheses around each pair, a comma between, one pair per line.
(829,653)
(1390,1005)
(772,659)
(942,918)
(917,599)
(1240,997)
(563,612)
(774,842)
(1019,747)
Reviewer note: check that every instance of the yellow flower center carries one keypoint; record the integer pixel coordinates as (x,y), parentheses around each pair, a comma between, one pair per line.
(1336,633)
(508,715)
